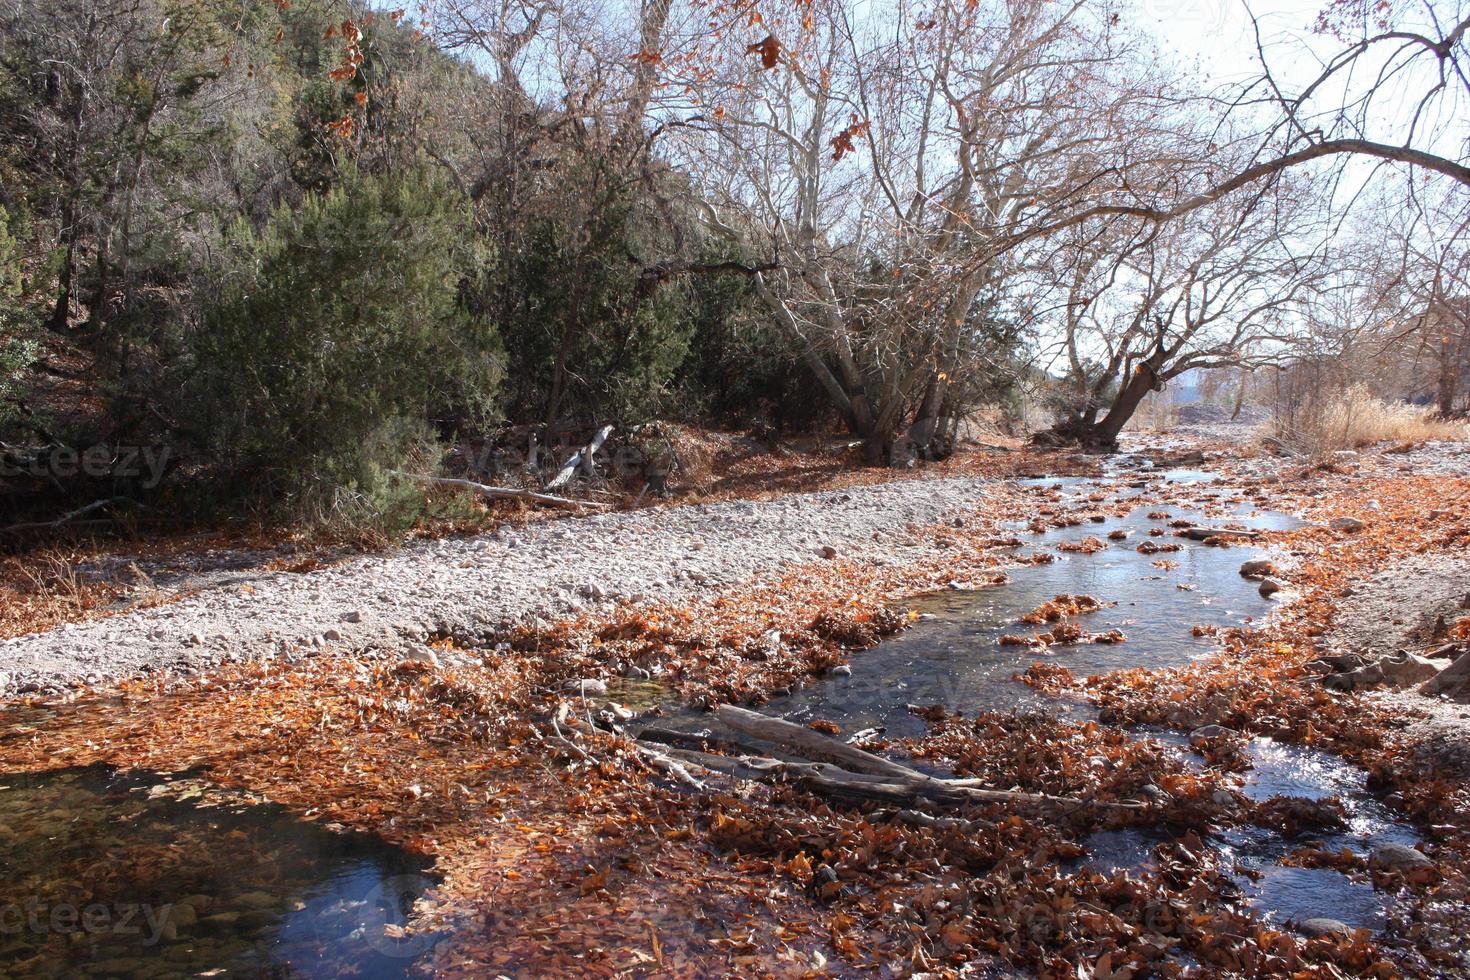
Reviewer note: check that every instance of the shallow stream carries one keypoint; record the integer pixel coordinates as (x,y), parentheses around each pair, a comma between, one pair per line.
(144,876)
(952,657)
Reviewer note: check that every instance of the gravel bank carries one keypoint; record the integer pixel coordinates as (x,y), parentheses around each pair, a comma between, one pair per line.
(473,587)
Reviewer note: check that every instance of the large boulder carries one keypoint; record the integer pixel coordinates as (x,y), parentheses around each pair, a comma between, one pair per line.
(1453,681)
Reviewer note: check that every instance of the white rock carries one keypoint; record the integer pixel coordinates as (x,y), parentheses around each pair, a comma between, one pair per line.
(1404,669)
(421,655)
(1320,926)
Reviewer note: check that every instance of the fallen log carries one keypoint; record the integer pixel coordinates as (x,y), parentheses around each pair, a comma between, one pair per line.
(809,744)
(703,741)
(68,517)
(1204,533)
(513,493)
(582,459)
(836,783)
(851,772)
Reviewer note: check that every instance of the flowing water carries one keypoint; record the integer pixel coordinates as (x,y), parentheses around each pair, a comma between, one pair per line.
(952,657)
(137,875)
(141,876)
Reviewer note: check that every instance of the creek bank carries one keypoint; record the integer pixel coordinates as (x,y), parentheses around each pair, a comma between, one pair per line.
(478,587)
(439,753)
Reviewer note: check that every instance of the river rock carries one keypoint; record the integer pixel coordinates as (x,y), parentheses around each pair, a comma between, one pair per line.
(617,712)
(586,686)
(1366,676)
(1404,669)
(1270,586)
(421,655)
(1398,857)
(1257,568)
(255,900)
(199,903)
(1317,927)
(1154,793)
(1211,731)
(1335,663)
(1349,524)
(841,670)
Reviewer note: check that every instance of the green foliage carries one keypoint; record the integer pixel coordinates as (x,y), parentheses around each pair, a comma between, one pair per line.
(18,346)
(739,368)
(337,334)
(590,339)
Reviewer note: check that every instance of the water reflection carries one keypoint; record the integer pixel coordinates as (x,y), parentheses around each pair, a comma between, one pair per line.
(134,875)
(954,658)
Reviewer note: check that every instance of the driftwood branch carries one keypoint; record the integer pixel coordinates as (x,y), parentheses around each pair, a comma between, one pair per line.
(865,778)
(1205,533)
(67,517)
(837,783)
(809,744)
(513,493)
(848,773)
(580,460)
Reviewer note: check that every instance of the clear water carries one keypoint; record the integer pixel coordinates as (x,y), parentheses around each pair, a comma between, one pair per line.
(135,875)
(952,657)
(1280,892)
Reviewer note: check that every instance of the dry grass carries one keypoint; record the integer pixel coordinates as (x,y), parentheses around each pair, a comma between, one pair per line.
(43,590)
(1158,412)
(1354,418)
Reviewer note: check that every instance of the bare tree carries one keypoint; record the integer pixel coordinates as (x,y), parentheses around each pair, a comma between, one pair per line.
(116,86)
(894,169)
(1220,288)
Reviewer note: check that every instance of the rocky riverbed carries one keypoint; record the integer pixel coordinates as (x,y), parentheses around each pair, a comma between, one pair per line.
(475,587)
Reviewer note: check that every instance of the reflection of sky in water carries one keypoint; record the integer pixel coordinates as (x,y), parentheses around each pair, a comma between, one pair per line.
(954,659)
(1277,891)
(275,896)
